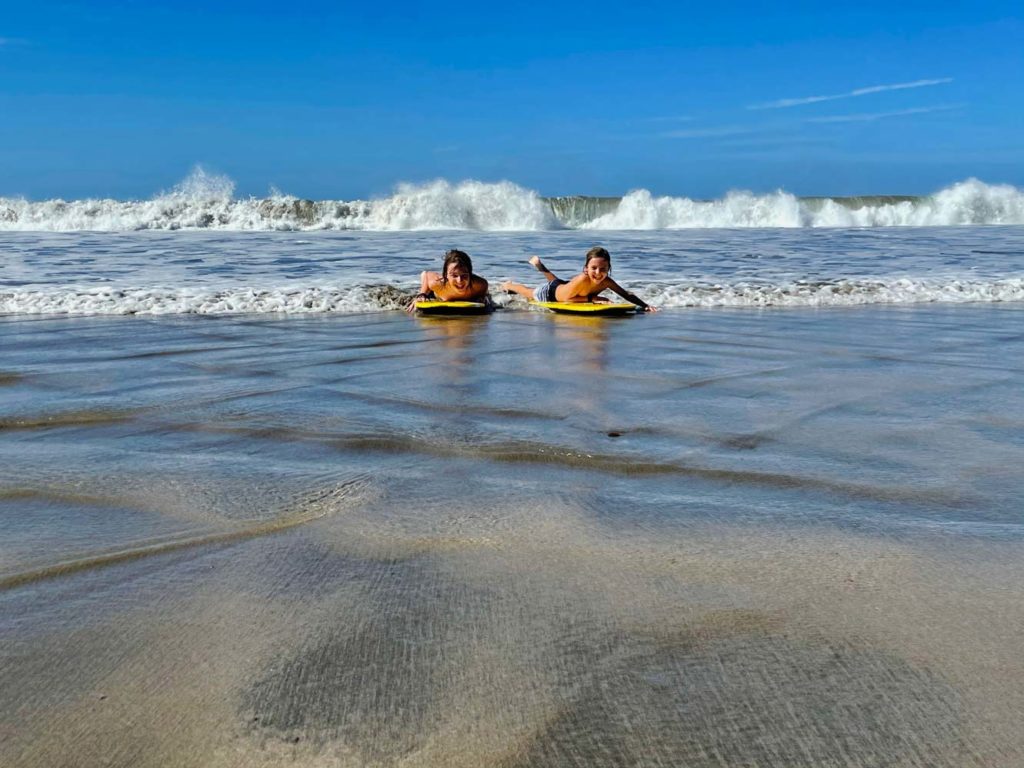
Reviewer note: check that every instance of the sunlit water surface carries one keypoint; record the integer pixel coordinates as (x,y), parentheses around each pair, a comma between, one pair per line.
(703,537)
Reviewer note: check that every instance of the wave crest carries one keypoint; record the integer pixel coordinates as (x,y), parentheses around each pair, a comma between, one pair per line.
(205,201)
(967,202)
(201,185)
(641,210)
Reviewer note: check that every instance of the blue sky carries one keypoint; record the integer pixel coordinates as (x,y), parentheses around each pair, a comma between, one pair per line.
(338,100)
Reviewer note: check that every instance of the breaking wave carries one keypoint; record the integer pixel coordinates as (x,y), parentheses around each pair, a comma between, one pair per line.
(206,201)
(968,202)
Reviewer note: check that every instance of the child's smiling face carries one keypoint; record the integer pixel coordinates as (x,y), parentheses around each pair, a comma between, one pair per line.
(458,276)
(597,269)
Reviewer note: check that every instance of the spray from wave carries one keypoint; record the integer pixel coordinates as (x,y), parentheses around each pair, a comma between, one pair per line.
(206,201)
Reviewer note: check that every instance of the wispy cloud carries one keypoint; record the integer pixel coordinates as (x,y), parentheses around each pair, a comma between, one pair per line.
(708,133)
(667,119)
(754,143)
(867,117)
(782,103)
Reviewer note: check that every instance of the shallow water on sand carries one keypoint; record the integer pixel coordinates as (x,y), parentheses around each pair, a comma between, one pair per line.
(778,538)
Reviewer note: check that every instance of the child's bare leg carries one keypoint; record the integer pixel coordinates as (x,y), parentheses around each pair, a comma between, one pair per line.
(548,274)
(519,288)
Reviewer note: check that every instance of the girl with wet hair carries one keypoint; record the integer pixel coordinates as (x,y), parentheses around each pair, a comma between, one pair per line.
(584,287)
(455,281)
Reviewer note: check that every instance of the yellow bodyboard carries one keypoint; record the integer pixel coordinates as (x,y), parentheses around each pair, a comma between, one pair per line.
(586,307)
(434,307)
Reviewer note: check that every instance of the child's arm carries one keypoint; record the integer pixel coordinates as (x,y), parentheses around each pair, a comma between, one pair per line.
(429,284)
(427,280)
(632,298)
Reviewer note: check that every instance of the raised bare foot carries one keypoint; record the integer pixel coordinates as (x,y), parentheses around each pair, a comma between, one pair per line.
(535,260)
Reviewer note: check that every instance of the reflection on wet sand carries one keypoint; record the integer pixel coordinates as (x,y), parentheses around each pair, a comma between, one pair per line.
(527,636)
(453,331)
(450,339)
(588,338)
(398,542)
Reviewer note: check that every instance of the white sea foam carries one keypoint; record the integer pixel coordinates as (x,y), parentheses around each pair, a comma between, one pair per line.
(968,202)
(839,293)
(469,205)
(205,201)
(199,301)
(371,298)
(641,210)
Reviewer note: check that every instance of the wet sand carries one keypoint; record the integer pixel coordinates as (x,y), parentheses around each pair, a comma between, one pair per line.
(696,538)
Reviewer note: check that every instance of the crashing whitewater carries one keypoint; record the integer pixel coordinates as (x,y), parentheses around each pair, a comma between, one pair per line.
(206,202)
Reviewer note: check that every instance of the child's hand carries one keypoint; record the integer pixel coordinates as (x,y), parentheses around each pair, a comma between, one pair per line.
(412,304)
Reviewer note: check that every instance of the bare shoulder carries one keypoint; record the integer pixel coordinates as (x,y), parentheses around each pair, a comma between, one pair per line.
(579,281)
(610,284)
(478,288)
(577,289)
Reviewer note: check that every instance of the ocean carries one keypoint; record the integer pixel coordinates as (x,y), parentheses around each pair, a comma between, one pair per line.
(253,513)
